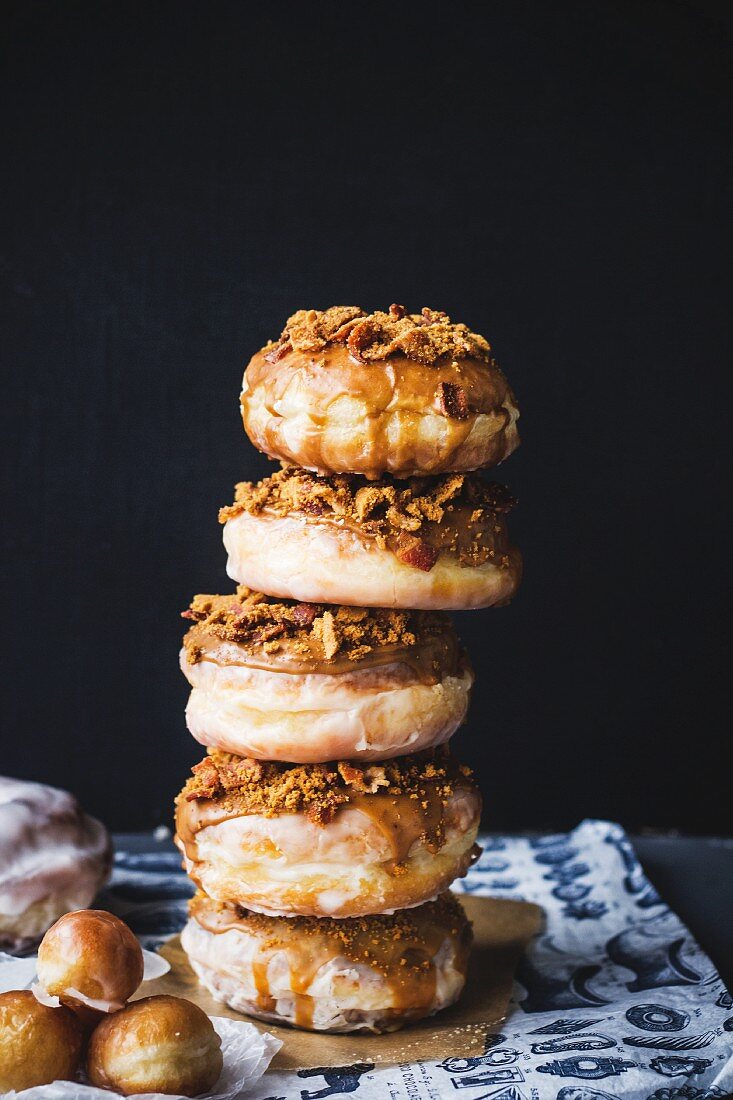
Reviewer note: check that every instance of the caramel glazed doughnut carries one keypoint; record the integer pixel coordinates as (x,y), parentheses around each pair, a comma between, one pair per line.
(366,973)
(53,858)
(327,840)
(343,391)
(428,543)
(304,683)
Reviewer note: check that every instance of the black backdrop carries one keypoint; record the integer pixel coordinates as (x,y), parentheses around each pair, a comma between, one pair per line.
(182,176)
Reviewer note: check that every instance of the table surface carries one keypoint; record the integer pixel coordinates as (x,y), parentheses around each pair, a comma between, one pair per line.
(694,875)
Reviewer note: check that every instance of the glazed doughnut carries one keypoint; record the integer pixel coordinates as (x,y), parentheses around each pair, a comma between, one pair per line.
(53,858)
(434,544)
(328,840)
(38,1044)
(367,973)
(307,682)
(405,394)
(90,959)
(158,1044)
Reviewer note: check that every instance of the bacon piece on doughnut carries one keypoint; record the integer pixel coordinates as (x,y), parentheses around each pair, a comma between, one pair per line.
(361,337)
(304,613)
(453,401)
(207,781)
(236,770)
(277,351)
(413,551)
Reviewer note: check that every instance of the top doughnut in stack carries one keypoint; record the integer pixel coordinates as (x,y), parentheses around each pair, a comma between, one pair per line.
(406,394)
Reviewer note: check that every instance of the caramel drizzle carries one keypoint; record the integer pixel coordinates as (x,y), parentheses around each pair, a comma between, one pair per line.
(265,1001)
(402,819)
(333,372)
(402,949)
(429,661)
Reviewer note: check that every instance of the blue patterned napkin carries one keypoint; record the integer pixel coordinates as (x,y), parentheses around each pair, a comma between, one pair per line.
(615,998)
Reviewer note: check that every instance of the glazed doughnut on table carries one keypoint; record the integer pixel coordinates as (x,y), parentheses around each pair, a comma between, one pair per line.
(343,391)
(308,682)
(38,1044)
(373,972)
(158,1044)
(428,543)
(328,840)
(90,959)
(53,858)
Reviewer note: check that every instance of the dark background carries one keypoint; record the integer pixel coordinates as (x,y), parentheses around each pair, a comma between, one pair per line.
(180,177)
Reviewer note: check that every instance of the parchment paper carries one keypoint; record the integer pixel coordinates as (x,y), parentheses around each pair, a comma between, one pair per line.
(502,930)
(614,998)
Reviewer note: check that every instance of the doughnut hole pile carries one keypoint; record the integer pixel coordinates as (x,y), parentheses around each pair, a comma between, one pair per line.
(329,818)
(79,1014)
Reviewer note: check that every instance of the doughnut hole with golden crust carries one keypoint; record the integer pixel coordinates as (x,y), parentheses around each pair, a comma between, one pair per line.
(328,840)
(158,1044)
(372,973)
(398,393)
(304,683)
(38,1044)
(432,544)
(90,959)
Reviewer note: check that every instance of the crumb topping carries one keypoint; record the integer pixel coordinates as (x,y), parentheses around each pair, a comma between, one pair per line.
(270,788)
(375,939)
(426,337)
(254,620)
(417,518)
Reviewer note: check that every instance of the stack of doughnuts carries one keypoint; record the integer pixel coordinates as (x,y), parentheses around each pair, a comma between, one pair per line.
(329,817)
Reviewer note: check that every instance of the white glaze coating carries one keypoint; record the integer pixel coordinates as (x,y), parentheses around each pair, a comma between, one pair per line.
(293,558)
(288,864)
(347,996)
(367,715)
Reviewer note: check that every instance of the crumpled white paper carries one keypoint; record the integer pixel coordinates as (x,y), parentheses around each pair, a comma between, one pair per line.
(16,973)
(247,1052)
